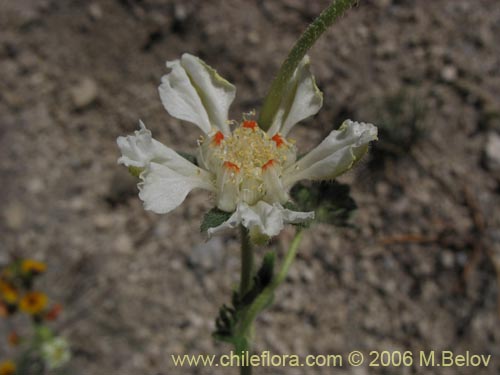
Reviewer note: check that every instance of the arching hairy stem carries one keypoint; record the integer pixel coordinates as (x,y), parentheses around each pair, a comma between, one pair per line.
(305,42)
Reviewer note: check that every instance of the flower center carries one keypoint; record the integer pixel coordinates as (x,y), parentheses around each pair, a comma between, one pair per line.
(249,149)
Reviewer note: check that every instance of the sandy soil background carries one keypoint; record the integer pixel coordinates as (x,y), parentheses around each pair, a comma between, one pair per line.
(417,272)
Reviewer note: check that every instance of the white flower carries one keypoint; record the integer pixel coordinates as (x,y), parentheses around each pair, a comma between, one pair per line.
(55,352)
(250,171)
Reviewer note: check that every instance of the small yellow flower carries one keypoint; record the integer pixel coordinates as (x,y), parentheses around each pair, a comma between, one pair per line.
(7,368)
(8,293)
(32,267)
(33,303)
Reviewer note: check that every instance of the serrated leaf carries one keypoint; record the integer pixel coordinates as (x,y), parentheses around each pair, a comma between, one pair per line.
(226,323)
(214,218)
(331,202)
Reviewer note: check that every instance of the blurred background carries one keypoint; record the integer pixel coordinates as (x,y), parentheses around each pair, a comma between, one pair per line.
(417,272)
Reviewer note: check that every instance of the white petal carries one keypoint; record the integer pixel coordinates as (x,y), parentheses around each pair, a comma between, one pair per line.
(194,92)
(301,100)
(275,192)
(163,189)
(296,217)
(228,182)
(250,191)
(140,149)
(262,218)
(336,154)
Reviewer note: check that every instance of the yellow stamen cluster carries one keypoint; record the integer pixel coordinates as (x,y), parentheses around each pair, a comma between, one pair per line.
(8,293)
(30,266)
(249,149)
(33,303)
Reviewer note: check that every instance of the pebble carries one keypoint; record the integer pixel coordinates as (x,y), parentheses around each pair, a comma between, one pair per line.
(35,185)
(447,258)
(449,73)
(95,11)
(77,204)
(180,13)
(492,152)
(84,93)
(14,215)
(124,244)
(253,37)
(103,221)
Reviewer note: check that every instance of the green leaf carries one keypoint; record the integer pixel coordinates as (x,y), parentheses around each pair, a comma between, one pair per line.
(214,218)
(262,279)
(331,202)
(228,321)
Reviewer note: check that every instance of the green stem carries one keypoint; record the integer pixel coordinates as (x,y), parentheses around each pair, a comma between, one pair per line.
(246,370)
(265,297)
(245,285)
(305,42)
(246,262)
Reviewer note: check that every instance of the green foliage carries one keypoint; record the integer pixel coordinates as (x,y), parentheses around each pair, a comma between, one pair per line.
(229,318)
(331,202)
(214,218)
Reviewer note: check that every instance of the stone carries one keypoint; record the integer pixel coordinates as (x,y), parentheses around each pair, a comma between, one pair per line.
(95,11)
(35,185)
(84,93)
(124,244)
(14,215)
(103,221)
(449,73)
(253,37)
(492,153)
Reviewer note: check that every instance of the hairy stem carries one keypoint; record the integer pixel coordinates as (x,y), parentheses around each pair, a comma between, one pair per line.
(265,297)
(305,42)
(245,285)
(246,262)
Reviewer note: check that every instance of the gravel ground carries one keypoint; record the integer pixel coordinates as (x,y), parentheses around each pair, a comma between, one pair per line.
(416,273)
